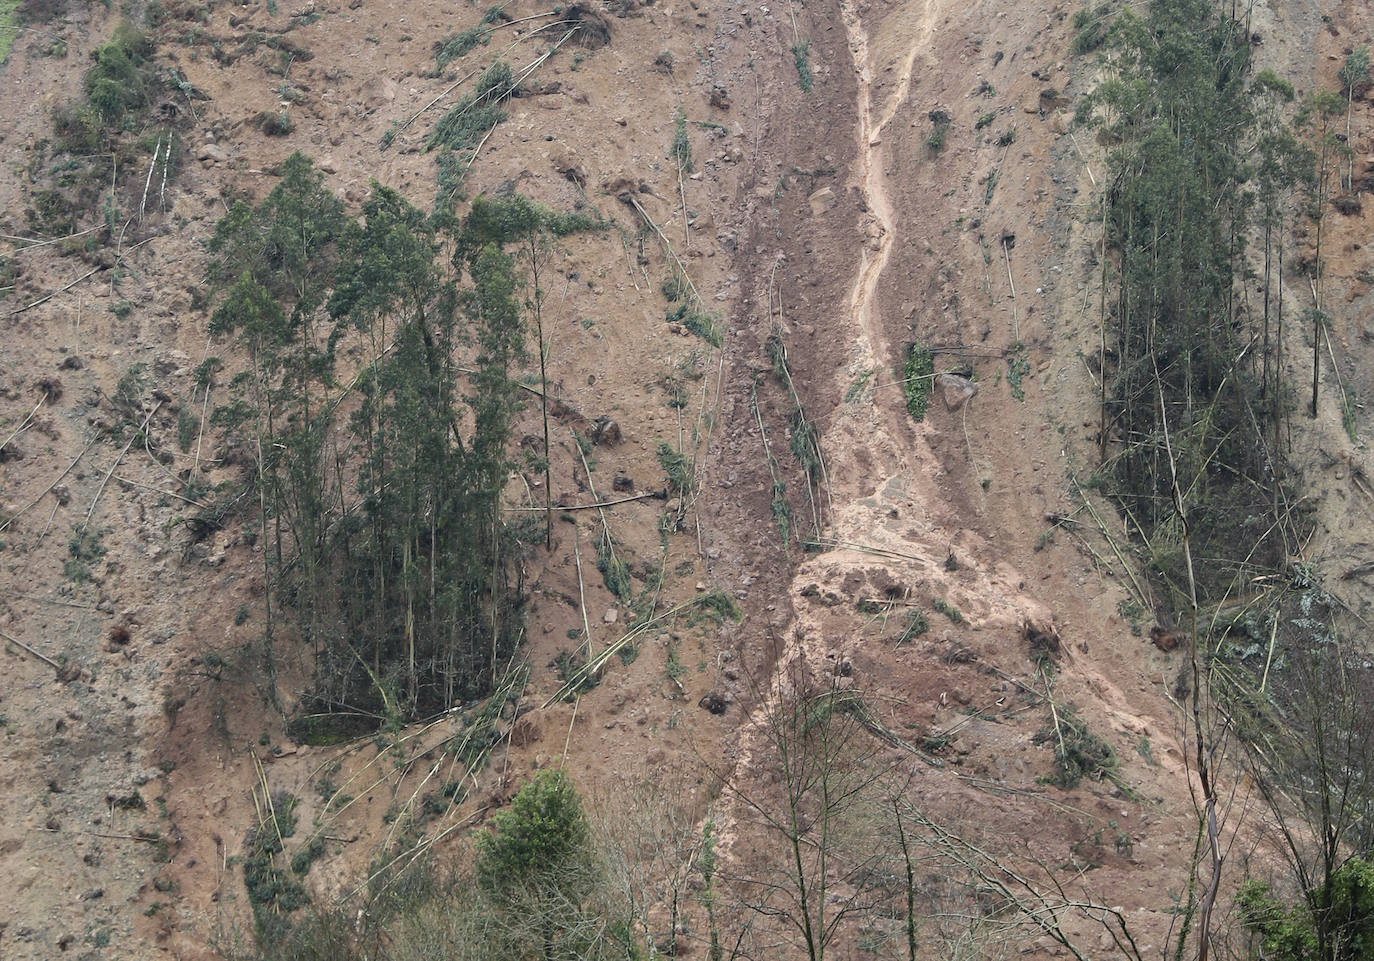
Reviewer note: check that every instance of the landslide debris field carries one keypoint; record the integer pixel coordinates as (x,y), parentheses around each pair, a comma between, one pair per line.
(643,479)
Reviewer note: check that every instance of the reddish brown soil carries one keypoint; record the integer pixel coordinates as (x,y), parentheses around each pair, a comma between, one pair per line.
(823,218)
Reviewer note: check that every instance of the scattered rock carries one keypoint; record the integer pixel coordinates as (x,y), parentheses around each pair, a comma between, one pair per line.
(955,390)
(605,431)
(715,702)
(1166,641)
(821,201)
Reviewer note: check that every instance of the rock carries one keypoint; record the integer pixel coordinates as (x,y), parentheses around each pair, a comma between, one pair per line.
(821,201)
(611,616)
(72,362)
(212,152)
(622,484)
(720,99)
(1166,641)
(606,431)
(715,702)
(955,390)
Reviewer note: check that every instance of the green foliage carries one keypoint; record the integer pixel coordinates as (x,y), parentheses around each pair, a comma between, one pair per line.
(801,59)
(916,625)
(1018,366)
(1092,26)
(716,606)
(1354,72)
(1344,908)
(460,44)
(469,120)
(985,120)
(381,514)
(698,322)
(918,373)
(188,424)
(681,151)
(939,126)
(1186,123)
(676,469)
(613,568)
(119,81)
(84,551)
(272,893)
(541,840)
(1078,753)
(275,123)
(9,29)
(943,606)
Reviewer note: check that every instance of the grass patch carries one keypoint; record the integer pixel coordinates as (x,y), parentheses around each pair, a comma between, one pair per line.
(9,29)
(1078,752)
(917,374)
(916,625)
(801,59)
(464,126)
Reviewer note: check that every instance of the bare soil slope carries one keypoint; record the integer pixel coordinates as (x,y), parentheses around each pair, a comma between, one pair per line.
(140,736)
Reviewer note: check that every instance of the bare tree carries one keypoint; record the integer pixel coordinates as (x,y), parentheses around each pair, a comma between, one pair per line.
(819,864)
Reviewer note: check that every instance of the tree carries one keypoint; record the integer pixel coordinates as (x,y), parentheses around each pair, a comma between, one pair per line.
(536,861)
(1354,78)
(1317,121)
(1307,724)
(815,816)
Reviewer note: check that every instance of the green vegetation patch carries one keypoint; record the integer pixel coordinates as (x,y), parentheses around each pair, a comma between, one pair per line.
(917,374)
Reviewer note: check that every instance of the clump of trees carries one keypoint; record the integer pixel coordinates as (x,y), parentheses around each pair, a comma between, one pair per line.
(376,412)
(1209,157)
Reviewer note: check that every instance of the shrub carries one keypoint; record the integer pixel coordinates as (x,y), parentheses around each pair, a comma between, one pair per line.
(118,82)
(917,374)
(542,839)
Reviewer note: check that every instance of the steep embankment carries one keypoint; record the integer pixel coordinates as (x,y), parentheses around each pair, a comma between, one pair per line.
(926,188)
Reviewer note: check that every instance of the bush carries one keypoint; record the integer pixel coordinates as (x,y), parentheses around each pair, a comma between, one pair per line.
(917,374)
(118,82)
(541,840)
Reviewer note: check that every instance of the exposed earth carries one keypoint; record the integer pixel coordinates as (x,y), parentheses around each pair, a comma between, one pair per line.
(139,736)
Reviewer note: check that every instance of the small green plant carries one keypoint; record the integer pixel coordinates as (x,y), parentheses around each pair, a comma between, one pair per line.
(949,610)
(1078,753)
(614,571)
(275,123)
(939,126)
(1007,137)
(801,59)
(985,120)
(1091,26)
(681,151)
(715,606)
(121,309)
(676,469)
(916,625)
(917,374)
(1018,366)
(84,550)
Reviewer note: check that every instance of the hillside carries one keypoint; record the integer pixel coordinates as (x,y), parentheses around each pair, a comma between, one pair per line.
(796,228)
